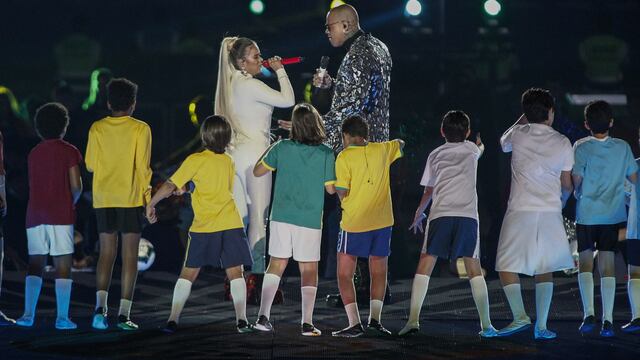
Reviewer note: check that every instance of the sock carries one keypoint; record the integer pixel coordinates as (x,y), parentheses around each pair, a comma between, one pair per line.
(352,313)
(101,299)
(375,309)
(270,284)
(634,297)
(63,297)
(608,293)
(481,298)
(544,293)
(32,286)
(239,296)
(181,293)
(125,307)
(514,297)
(585,282)
(308,302)
(418,293)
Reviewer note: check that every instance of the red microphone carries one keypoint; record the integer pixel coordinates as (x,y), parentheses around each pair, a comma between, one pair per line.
(286,61)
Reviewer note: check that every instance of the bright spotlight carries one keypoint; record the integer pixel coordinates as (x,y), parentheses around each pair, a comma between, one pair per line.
(492,7)
(413,8)
(256,7)
(335,3)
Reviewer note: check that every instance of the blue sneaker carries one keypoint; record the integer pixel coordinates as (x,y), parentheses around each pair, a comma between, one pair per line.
(588,324)
(607,329)
(65,324)
(544,334)
(100,319)
(632,327)
(26,321)
(488,332)
(515,327)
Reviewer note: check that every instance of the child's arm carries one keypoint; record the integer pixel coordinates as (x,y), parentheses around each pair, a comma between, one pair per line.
(259,169)
(331,189)
(165,191)
(342,193)
(75,183)
(143,161)
(419,216)
(633,178)
(505,140)
(567,186)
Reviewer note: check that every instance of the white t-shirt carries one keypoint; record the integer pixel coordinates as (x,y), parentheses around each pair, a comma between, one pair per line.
(451,170)
(540,154)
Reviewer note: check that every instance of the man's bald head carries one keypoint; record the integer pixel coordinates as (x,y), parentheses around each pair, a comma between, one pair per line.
(345,12)
(342,23)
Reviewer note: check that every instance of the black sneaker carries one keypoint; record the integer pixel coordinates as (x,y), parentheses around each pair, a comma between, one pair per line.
(263,324)
(350,332)
(632,327)
(310,330)
(607,329)
(126,324)
(588,324)
(244,327)
(171,327)
(374,325)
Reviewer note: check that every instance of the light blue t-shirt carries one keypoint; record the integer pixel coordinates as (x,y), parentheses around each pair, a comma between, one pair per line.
(633,223)
(603,164)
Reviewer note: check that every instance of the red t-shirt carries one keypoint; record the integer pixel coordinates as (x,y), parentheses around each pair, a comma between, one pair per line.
(50,199)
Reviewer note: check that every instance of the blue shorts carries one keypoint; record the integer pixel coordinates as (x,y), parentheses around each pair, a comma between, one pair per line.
(452,237)
(364,244)
(225,249)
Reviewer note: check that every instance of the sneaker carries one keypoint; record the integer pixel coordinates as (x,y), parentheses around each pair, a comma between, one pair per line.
(607,329)
(244,327)
(263,324)
(409,329)
(515,327)
(126,324)
(633,326)
(310,330)
(171,327)
(543,334)
(26,321)
(65,324)
(588,324)
(100,319)
(488,332)
(5,321)
(377,327)
(350,332)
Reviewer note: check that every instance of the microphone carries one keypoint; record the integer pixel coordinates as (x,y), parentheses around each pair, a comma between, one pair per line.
(322,70)
(286,61)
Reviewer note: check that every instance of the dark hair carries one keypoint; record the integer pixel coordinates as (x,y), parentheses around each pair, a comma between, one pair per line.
(121,94)
(455,125)
(355,125)
(598,115)
(306,125)
(215,133)
(239,49)
(536,104)
(51,120)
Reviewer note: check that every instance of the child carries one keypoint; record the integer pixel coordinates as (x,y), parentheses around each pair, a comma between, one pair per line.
(633,257)
(601,165)
(362,172)
(54,187)
(305,169)
(216,236)
(118,154)
(4,320)
(452,227)
(532,239)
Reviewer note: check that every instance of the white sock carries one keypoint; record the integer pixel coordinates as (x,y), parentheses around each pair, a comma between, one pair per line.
(63,297)
(375,309)
(181,293)
(585,283)
(633,288)
(308,302)
(352,313)
(32,286)
(125,307)
(101,299)
(270,284)
(608,293)
(514,297)
(481,298)
(418,293)
(544,293)
(239,296)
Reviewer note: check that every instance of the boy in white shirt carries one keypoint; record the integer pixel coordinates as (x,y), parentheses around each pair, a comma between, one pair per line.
(532,239)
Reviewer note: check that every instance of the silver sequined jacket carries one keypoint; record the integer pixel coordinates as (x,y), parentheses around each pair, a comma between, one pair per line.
(361,87)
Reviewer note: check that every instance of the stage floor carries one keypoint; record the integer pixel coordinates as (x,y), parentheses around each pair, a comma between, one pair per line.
(448,327)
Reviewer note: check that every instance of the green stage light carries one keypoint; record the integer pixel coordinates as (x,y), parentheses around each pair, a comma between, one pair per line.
(492,7)
(256,7)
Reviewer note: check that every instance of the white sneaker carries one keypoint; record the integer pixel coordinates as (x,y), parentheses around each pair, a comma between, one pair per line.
(26,321)
(65,324)
(409,329)
(515,326)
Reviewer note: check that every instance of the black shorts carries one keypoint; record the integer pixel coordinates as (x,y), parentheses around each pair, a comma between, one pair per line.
(124,220)
(633,252)
(597,237)
(225,249)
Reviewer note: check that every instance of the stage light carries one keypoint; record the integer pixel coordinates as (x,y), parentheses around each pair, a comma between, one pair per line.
(492,7)
(335,3)
(256,7)
(413,8)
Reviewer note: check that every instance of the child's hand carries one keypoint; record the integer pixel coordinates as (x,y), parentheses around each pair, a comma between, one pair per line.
(478,139)
(180,191)
(417,223)
(151,214)
(284,124)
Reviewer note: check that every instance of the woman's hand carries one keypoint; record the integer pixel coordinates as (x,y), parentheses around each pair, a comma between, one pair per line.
(275,63)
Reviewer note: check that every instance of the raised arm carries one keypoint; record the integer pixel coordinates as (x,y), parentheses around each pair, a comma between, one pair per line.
(265,94)
(505,140)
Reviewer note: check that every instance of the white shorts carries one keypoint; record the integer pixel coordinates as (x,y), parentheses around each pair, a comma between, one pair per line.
(288,240)
(533,242)
(54,240)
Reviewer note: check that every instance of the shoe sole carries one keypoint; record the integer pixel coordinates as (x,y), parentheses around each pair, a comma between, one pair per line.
(347,336)
(412,331)
(588,329)
(631,330)
(245,331)
(607,334)
(66,328)
(126,327)
(311,333)
(514,331)
(262,328)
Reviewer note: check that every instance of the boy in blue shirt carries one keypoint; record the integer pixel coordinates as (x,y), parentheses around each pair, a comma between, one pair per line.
(633,258)
(601,165)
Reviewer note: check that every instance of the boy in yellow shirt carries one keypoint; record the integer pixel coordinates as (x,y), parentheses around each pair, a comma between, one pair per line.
(362,173)
(118,155)
(216,236)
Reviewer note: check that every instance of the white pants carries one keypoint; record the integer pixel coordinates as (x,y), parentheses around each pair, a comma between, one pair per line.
(54,240)
(252,195)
